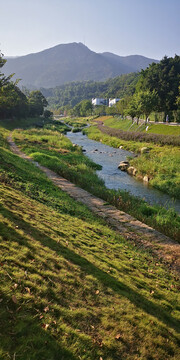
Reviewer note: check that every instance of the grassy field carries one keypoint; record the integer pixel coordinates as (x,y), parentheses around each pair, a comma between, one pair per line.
(161,164)
(71,288)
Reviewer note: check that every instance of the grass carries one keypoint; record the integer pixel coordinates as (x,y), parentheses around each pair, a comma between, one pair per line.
(53,150)
(153,128)
(161,164)
(71,288)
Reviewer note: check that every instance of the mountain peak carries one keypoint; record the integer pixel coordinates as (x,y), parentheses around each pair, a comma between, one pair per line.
(71,62)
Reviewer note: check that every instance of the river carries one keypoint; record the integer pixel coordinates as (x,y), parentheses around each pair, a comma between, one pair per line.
(109,158)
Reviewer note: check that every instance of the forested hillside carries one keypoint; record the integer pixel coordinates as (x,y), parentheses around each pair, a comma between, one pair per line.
(71,62)
(72,93)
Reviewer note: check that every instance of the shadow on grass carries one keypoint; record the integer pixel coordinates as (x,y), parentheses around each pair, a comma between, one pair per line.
(87,267)
(23,335)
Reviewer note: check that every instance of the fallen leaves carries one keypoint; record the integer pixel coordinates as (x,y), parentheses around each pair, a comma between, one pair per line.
(118,337)
(28,290)
(14,299)
(46,309)
(45,326)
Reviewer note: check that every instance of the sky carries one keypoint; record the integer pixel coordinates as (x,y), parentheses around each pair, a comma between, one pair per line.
(124,27)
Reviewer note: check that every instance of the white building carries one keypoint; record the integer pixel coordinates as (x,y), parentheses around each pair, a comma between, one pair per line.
(99,101)
(113,101)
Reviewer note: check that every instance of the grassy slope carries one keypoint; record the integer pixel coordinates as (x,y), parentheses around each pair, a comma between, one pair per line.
(71,288)
(56,152)
(161,164)
(153,128)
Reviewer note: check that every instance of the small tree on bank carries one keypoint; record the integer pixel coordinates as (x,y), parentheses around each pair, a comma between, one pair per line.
(147,102)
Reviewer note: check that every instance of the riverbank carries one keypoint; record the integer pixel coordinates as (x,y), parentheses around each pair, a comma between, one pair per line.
(142,235)
(160,163)
(70,285)
(51,149)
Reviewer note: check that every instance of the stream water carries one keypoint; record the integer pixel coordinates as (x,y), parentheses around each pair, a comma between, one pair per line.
(114,178)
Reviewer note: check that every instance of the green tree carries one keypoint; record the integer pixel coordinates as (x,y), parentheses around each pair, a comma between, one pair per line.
(47,114)
(13,102)
(122,105)
(178,99)
(86,108)
(164,78)
(146,102)
(37,102)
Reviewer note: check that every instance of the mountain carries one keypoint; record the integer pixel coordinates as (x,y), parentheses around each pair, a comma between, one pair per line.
(71,62)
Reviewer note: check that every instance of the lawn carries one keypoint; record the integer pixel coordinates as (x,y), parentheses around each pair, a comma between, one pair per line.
(153,128)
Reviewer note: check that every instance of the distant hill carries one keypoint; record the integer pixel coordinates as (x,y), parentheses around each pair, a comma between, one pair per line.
(72,93)
(71,62)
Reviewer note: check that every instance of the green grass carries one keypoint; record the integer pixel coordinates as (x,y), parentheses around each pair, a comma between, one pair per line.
(162,164)
(78,122)
(53,150)
(135,146)
(126,124)
(71,288)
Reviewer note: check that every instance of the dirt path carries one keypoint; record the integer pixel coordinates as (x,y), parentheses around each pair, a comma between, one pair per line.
(141,234)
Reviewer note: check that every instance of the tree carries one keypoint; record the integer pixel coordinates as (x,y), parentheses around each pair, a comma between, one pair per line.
(146,102)
(37,102)
(47,114)
(133,108)
(178,99)
(122,105)
(164,78)
(12,101)
(86,108)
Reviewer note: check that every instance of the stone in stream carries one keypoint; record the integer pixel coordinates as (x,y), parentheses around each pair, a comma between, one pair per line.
(123,166)
(146,178)
(131,170)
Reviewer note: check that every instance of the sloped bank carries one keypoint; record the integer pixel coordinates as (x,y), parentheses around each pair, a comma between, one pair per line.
(129,227)
(160,164)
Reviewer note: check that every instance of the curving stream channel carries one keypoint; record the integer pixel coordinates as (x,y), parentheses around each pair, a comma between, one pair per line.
(114,178)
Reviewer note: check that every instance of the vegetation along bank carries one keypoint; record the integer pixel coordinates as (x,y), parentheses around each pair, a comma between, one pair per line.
(158,155)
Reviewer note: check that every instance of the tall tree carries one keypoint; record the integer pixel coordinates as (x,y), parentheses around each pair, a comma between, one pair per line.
(164,79)
(37,102)
(12,101)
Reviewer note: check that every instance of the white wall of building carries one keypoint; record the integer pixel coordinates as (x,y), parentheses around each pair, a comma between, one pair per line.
(113,101)
(99,101)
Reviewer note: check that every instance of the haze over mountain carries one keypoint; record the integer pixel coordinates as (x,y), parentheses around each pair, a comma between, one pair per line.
(71,62)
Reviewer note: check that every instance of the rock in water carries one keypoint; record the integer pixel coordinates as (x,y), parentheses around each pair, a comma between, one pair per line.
(123,166)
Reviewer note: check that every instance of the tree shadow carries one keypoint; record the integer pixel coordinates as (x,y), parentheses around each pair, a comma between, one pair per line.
(104,278)
(36,185)
(24,337)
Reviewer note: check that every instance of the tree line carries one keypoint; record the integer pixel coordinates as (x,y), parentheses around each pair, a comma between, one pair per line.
(155,89)
(67,96)
(15,103)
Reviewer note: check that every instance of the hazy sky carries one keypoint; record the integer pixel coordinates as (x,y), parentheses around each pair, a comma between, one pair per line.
(124,27)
